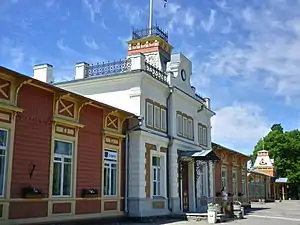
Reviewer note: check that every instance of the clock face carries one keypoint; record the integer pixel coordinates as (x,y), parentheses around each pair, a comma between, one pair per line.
(183,75)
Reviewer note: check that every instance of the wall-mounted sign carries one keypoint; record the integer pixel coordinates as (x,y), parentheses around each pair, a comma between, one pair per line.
(110,155)
(65,130)
(111,140)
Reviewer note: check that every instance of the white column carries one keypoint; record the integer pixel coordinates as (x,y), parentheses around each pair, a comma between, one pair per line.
(174,174)
(136,179)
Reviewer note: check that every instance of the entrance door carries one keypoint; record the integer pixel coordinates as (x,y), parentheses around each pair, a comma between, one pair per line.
(185,186)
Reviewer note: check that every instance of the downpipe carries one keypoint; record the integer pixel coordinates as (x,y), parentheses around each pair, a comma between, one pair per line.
(170,143)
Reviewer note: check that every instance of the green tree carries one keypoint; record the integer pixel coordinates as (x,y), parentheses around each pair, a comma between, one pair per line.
(284,148)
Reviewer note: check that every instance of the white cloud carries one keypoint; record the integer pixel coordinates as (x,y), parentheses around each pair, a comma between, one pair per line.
(91,43)
(267,46)
(208,25)
(241,123)
(94,8)
(13,51)
(131,12)
(65,48)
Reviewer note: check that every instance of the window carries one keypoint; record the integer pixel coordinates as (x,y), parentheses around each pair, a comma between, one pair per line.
(185,126)
(234,183)
(149,114)
(156,116)
(156,176)
(202,181)
(202,134)
(163,119)
(190,128)
(179,124)
(3,157)
(62,168)
(110,173)
(224,178)
(244,184)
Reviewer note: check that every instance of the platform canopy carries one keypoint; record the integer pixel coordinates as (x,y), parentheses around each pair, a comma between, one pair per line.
(205,155)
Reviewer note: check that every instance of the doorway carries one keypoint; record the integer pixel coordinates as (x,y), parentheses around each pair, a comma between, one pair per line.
(185,187)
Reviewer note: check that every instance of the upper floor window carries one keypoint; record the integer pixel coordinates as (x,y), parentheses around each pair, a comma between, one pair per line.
(156,116)
(185,126)
(202,134)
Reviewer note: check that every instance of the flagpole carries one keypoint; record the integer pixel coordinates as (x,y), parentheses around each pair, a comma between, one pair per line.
(150,16)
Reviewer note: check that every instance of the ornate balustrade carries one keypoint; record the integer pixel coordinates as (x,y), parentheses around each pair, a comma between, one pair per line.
(156,73)
(109,68)
(148,32)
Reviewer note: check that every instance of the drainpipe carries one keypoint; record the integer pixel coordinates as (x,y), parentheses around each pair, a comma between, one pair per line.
(170,137)
(127,144)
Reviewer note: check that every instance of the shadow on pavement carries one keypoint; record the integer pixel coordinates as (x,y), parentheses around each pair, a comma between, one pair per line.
(252,210)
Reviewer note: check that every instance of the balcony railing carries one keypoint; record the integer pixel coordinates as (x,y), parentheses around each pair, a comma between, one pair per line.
(123,66)
(109,68)
(156,73)
(154,31)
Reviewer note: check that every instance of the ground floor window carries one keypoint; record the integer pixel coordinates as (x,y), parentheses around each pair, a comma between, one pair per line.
(202,180)
(156,176)
(62,168)
(3,158)
(224,177)
(234,182)
(244,184)
(110,173)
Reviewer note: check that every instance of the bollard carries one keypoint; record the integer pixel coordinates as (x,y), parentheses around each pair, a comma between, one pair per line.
(243,212)
(211,216)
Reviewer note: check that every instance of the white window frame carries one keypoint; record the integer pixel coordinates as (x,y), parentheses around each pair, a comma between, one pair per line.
(156,178)
(149,120)
(190,129)
(224,179)
(185,127)
(63,163)
(108,164)
(162,174)
(5,149)
(163,120)
(179,124)
(157,117)
(202,181)
(202,134)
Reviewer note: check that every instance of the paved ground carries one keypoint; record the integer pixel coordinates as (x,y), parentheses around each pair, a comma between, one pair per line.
(284,213)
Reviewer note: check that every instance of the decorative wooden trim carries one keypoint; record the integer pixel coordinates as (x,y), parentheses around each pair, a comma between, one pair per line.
(10,107)
(115,134)
(5,117)
(5,89)
(67,122)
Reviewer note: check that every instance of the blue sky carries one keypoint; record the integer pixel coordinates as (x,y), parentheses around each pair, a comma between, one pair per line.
(245,53)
